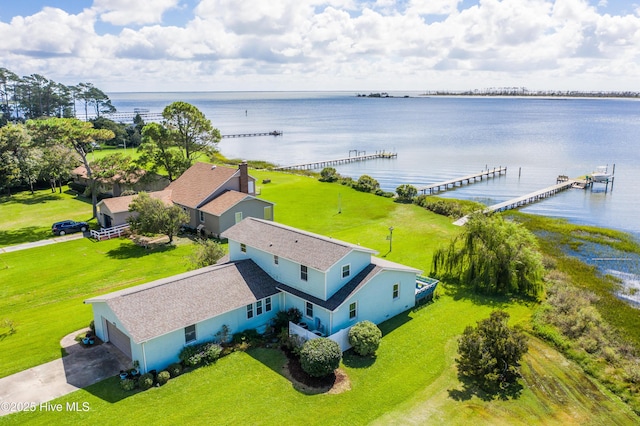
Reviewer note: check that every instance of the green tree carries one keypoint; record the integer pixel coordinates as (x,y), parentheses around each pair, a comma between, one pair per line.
(73,133)
(56,166)
(494,256)
(154,217)
(9,164)
(490,353)
(329,174)
(406,193)
(365,337)
(118,129)
(158,153)
(367,184)
(320,357)
(190,130)
(207,252)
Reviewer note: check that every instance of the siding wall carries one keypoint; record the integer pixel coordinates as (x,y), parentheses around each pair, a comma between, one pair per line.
(357,262)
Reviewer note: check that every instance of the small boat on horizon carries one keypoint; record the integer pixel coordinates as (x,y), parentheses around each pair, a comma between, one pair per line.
(601,174)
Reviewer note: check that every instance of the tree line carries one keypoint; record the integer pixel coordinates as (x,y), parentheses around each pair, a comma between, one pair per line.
(34,96)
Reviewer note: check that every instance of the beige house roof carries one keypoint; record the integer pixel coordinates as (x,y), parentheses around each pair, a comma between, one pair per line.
(199,182)
(130,178)
(224,202)
(121,204)
(313,250)
(160,307)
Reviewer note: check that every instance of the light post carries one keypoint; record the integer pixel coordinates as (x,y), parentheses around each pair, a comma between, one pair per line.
(390,238)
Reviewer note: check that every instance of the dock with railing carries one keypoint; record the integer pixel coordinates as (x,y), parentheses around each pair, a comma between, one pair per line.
(452,183)
(359,156)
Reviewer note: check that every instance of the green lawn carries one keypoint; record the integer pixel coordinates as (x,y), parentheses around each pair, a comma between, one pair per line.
(412,381)
(26,218)
(44,288)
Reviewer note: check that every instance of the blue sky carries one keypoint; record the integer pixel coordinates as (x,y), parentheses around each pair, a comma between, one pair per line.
(124,45)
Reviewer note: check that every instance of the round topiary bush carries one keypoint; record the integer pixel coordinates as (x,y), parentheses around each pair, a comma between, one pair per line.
(145,381)
(320,357)
(364,338)
(174,369)
(163,377)
(128,384)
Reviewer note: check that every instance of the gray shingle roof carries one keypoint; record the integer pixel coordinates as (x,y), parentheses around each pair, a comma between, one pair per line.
(313,250)
(154,309)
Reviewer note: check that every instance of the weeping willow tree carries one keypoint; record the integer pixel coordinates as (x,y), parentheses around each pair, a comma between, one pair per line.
(494,256)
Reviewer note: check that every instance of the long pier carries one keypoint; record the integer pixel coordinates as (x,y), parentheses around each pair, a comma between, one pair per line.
(528,198)
(436,187)
(326,163)
(247,135)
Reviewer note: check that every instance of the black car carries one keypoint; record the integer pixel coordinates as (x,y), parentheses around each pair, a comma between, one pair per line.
(68,226)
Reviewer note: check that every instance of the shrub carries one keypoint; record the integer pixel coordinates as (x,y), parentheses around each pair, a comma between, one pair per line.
(365,337)
(174,369)
(249,336)
(291,343)
(163,377)
(211,352)
(145,381)
(282,318)
(366,184)
(128,384)
(92,326)
(320,357)
(190,355)
(406,193)
(329,174)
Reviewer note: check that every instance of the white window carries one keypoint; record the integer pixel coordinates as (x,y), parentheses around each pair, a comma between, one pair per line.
(238,217)
(346,270)
(259,307)
(353,310)
(243,247)
(396,290)
(267,304)
(201,214)
(304,273)
(250,311)
(268,213)
(309,309)
(190,333)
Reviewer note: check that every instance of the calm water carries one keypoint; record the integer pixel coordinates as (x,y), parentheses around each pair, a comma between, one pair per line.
(439,138)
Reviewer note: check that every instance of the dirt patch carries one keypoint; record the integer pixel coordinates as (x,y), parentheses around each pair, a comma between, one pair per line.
(335,383)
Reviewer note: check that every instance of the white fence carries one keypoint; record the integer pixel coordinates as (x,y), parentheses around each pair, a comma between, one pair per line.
(341,337)
(107,233)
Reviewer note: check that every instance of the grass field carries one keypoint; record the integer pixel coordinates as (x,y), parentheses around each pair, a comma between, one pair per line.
(26,218)
(412,381)
(44,288)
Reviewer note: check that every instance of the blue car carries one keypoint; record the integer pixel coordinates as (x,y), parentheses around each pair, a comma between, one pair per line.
(68,226)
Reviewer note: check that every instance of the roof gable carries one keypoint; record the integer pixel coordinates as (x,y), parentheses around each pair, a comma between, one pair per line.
(199,182)
(160,307)
(121,204)
(224,202)
(305,248)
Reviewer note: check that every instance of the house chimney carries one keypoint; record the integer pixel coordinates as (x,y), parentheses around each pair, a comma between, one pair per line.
(244,177)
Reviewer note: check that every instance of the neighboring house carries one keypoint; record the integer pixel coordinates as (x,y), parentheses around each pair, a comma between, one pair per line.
(214,197)
(271,267)
(114,186)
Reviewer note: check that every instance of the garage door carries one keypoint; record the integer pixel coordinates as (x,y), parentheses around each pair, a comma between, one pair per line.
(119,339)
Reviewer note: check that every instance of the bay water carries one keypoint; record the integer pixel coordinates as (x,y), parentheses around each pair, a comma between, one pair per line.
(440,138)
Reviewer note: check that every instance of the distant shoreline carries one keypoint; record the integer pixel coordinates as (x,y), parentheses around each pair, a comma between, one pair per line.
(512,94)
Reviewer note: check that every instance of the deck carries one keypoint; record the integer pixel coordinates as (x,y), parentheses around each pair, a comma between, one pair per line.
(438,186)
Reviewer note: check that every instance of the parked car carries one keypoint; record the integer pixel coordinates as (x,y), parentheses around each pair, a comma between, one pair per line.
(68,226)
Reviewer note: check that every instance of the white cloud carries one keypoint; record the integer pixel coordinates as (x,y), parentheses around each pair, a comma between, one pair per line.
(124,12)
(289,44)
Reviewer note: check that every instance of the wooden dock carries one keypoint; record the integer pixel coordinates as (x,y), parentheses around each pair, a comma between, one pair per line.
(248,135)
(437,187)
(527,199)
(327,163)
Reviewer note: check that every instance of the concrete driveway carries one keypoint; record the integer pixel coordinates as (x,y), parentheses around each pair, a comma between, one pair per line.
(80,368)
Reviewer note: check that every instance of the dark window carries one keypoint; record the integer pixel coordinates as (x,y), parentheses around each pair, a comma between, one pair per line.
(396,290)
(276,259)
(250,311)
(243,247)
(353,311)
(259,307)
(309,310)
(303,273)
(346,271)
(190,334)
(267,304)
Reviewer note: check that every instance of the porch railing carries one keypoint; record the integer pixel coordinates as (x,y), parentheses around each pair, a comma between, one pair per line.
(108,233)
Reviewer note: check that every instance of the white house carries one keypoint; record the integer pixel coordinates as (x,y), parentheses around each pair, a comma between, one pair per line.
(271,267)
